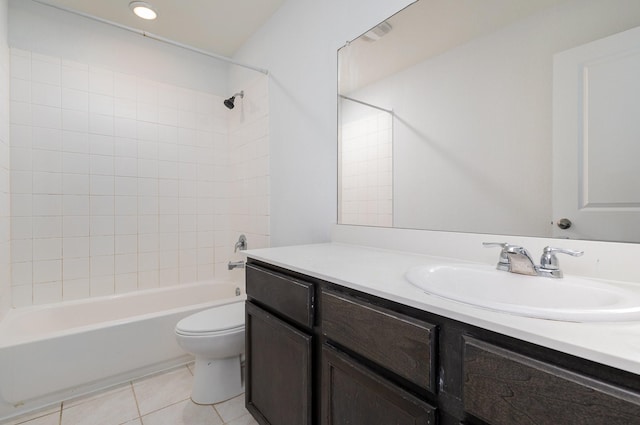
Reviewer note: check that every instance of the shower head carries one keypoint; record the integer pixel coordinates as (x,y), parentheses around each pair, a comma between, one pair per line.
(229,102)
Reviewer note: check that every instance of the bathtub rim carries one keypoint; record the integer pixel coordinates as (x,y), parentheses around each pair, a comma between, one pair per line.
(16,313)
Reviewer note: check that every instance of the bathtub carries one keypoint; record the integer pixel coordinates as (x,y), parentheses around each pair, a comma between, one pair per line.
(55,352)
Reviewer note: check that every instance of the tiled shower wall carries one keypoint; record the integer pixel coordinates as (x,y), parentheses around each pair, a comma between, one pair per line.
(249,165)
(366,147)
(118,183)
(5,287)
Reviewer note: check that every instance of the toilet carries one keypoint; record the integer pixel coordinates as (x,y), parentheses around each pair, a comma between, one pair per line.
(216,338)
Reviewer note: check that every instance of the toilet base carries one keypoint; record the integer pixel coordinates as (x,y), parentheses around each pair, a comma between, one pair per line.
(216,380)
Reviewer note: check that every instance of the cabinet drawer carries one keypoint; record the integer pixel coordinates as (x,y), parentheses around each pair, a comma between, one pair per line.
(354,395)
(506,388)
(290,297)
(396,342)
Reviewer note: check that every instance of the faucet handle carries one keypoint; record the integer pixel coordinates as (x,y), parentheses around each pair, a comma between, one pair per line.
(503,263)
(241,244)
(549,261)
(503,253)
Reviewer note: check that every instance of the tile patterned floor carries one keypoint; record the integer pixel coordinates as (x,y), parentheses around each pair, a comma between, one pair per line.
(158,400)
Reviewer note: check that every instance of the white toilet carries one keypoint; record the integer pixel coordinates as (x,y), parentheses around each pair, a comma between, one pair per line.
(216,338)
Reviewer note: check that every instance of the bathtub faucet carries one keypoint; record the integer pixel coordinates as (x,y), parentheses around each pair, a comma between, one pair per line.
(235,265)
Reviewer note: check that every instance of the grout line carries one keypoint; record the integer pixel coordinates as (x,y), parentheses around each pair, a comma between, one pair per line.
(135,397)
(60,417)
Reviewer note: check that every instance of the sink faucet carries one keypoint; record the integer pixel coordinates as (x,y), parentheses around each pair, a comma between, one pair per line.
(516,259)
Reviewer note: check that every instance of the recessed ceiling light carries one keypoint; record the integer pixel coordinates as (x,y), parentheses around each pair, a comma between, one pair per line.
(143,10)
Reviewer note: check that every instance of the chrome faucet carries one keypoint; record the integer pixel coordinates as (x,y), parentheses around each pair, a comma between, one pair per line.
(235,265)
(241,244)
(549,265)
(516,259)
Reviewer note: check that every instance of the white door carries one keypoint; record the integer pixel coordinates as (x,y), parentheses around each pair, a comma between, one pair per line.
(596,139)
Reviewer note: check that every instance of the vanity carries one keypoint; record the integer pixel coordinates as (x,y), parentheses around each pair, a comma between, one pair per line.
(336,335)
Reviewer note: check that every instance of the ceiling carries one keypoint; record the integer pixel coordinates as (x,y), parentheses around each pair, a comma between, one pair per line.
(217,26)
(425,29)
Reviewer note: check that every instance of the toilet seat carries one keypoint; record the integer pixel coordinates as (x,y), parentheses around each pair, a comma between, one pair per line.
(221,320)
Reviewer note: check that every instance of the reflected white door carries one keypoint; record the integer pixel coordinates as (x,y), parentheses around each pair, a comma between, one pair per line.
(596,139)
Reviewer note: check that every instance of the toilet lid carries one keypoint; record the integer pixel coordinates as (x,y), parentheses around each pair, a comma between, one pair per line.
(221,318)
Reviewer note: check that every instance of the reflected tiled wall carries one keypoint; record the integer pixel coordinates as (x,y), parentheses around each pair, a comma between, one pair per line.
(118,183)
(366,170)
(5,287)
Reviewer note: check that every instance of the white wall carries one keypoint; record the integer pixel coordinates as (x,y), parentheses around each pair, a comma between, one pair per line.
(299,47)
(5,258)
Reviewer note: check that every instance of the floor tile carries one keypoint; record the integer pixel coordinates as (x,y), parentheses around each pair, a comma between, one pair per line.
(98,394)
(243,420)
(163,390)
(50,419)
(183,413)
(232,409)
(113,408)
(161,399)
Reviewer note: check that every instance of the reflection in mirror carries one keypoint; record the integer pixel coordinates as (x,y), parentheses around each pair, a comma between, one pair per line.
(366,141)
(466,115)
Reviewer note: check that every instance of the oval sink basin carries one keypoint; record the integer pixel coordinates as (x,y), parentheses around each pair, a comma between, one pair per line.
(570,299)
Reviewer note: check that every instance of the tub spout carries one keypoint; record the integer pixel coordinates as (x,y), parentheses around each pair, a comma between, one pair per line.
(235,265)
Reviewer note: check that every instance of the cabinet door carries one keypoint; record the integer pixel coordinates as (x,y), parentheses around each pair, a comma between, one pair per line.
(353,395)
(505,388)
(278,368)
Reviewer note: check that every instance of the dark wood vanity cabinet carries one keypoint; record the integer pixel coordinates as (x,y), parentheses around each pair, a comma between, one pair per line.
(322,354)
(354,394)
(279,348)
(505,388)
(391,344)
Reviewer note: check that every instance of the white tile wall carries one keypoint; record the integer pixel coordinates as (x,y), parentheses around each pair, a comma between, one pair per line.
(121,183)
(246,180)
(5,158)
(366,170)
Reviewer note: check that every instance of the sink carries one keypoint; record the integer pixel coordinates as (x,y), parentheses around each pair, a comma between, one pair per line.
(570,299)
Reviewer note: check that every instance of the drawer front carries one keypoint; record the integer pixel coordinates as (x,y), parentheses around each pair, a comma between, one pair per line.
(506,388)
(396,342)
(352,394)
(290,297)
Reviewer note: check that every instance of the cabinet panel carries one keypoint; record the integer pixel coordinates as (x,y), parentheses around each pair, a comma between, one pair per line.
(290,297)
(352,395)
(279,368)
(396,342)
(506,388)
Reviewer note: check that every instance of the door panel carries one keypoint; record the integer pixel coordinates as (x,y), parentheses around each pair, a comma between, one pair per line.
(596,139)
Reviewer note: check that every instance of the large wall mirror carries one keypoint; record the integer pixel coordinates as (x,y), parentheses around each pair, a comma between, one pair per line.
(515,117)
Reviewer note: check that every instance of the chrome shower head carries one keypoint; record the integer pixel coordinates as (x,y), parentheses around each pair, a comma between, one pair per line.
(229,103)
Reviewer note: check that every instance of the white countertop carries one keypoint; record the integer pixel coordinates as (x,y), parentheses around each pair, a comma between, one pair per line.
(381,272)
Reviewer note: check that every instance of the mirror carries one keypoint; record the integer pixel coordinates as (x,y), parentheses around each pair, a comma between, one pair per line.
(515,117)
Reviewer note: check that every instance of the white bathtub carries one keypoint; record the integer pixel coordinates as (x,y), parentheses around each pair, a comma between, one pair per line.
(55,352)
